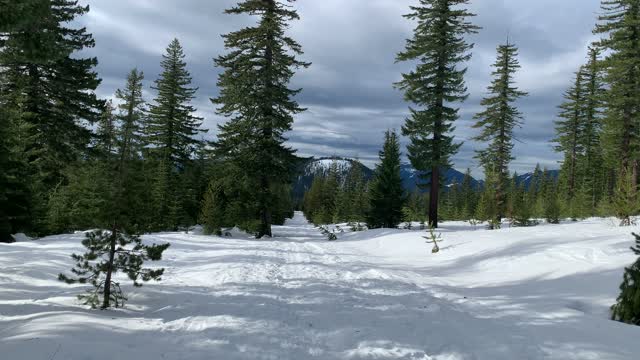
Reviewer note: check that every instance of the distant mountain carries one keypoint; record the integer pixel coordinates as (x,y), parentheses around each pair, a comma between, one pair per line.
(411,178)
(528,177)
(310,168)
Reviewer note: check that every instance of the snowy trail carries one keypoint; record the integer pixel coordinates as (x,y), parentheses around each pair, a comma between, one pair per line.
(371,295)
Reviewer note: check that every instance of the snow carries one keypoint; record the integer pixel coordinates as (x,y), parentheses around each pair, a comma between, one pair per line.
(324,165)
(520,293)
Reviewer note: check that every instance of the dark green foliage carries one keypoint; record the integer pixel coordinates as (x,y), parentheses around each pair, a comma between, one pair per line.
(255,96)
(105,135)
(14,192)
(170,131)
(414,208)
(333,198)
(625,202)
(498,121)
(620,29)
(48,90)
(579,134)
(320,201)
(106,192)
(40,63)
(522,207)
(570,133)
(591,164)
(15,15)
(551,203)
(627,307)
(107,254)
(131,116)
(386,197)
(81,202)
(487,210)
(439,46)
(352,200)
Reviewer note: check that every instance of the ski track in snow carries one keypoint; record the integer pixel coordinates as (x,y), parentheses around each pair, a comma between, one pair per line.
(529,293)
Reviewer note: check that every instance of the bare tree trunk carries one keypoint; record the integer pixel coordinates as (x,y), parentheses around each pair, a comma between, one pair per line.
(433,198)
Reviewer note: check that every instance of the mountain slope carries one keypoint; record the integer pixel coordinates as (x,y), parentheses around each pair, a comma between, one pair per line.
(310,168)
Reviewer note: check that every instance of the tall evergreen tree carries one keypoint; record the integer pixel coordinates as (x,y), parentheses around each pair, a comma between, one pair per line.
(14,193)
(170,131)
(53,87)
(497,122)
(570,131)
(439,46)
(387,196)
(620,29)
(255,95)
(105,132)
(592,165)
(131,116)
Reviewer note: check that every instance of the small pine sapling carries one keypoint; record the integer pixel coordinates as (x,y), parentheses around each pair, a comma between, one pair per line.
(107,254)
(627,307)
(434,239)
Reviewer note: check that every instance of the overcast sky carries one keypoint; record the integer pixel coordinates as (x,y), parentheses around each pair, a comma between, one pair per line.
(352,45)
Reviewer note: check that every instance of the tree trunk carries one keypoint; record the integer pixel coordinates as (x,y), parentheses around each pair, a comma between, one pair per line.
(265,213)
(433,197)
(267,131)
(107,282)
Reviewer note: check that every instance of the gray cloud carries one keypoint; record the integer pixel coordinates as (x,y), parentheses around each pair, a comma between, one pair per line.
(352,45)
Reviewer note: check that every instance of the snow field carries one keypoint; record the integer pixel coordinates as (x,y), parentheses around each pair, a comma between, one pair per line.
(521,293)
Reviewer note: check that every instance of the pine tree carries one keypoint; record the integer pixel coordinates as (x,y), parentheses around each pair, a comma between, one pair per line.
(413,209)
(14,193)
(522,207)
(498,120)
(625,204)
(105,132)
(131,116)
(468,197)
(552,205)
(107,254)
(329,195)
(620,29)
(52,90)
(627,307)
(487,209)
(387,193)
(214,206)
(14,15)
(58,88)
(355,194)
(592,164)
(170,131)
(254,94)
(570,131)
(439,46)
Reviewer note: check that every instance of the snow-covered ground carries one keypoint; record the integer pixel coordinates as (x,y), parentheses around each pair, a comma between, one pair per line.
(525,293)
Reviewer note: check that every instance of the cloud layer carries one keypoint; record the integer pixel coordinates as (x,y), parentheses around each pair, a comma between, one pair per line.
(352,45)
